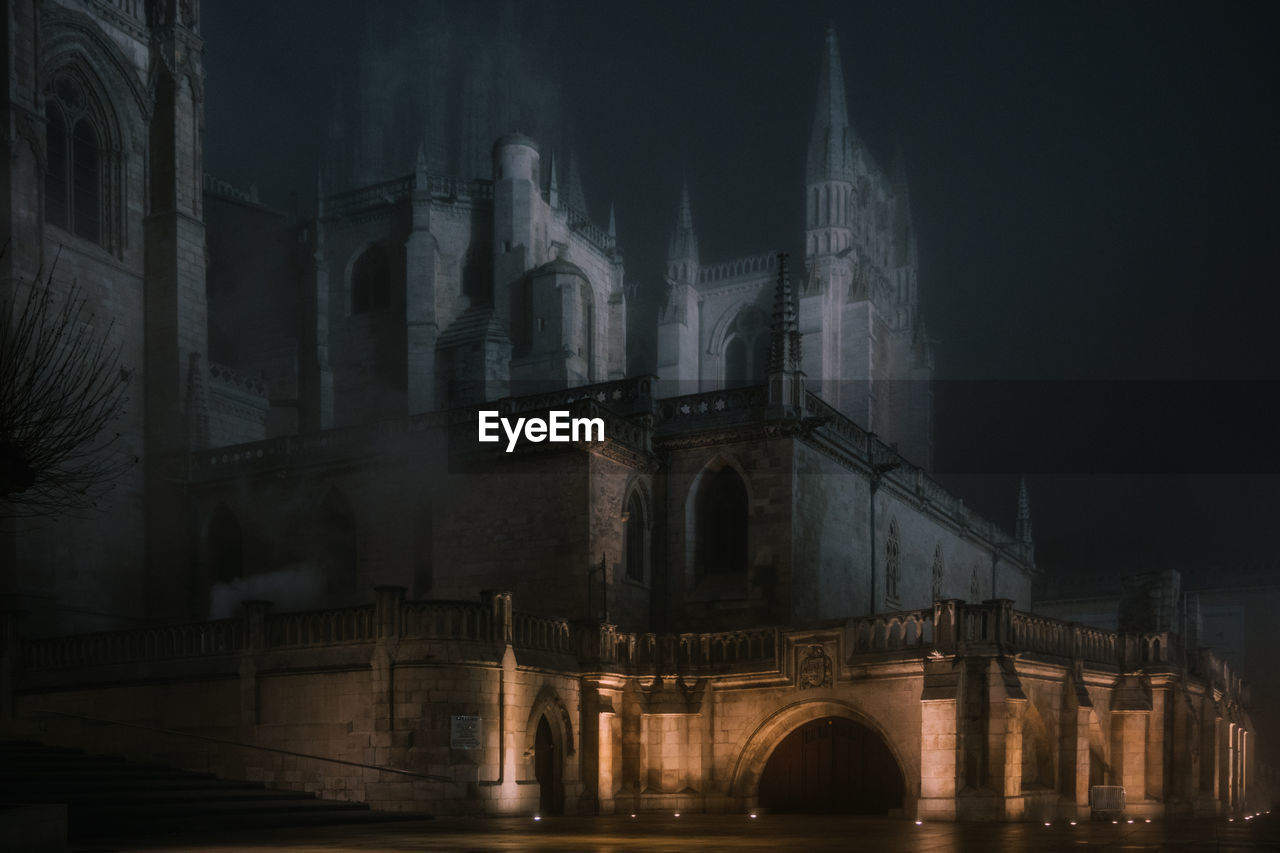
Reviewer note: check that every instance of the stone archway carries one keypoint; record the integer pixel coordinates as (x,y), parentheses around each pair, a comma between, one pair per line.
(824,756)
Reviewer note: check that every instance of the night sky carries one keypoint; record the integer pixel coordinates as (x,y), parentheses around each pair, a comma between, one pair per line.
(1094,188)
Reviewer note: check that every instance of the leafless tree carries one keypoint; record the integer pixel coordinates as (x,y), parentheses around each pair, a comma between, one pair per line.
(62,387)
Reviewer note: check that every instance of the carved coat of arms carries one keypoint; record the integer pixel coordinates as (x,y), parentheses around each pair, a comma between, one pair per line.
(814,669)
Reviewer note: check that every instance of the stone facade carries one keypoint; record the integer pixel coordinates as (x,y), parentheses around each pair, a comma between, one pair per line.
(745,573)
(982,711)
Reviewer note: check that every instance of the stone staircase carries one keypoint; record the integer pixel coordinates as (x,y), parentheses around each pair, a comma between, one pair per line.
(112,797)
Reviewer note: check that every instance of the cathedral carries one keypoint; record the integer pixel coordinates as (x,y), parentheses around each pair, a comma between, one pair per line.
(313,553)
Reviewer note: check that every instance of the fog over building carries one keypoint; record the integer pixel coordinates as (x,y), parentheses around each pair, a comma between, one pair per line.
(755,560)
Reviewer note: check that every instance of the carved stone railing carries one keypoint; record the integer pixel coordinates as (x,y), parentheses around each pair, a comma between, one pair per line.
(222,378)
(624,396)
(738,267)
(446,620)
(363,198)
(910,630)
(698,652)
(542,633)
(836,421)
(166,642)
(443,187)
(949,627)
(580,223)
(713,407)
(322,627)
(217,186)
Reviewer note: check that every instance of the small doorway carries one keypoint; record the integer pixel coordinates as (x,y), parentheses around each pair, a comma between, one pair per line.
(832,766)
(546,770)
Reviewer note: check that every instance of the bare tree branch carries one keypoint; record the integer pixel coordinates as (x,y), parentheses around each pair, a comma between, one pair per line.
(62,388)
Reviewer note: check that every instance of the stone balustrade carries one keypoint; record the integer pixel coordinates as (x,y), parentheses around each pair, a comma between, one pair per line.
(164,642)
(950,627)
(908,630)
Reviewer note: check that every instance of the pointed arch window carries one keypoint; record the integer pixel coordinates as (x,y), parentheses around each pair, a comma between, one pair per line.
(77,176)
(636,550)
(939,569)
(892,557)
(746,349)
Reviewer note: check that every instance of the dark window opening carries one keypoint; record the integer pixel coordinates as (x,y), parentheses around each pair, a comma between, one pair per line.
(722,523)
(371,282)
(226,546)
(75,180)
(636,536)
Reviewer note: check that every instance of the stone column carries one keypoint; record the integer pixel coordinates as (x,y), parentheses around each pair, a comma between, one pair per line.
(939,739)
(1073,745)
(1226,764)
(1156,770)
(1128,753)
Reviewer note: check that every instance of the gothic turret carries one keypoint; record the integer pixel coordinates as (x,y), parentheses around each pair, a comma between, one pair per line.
(678,315)
(682,250)
(830,166)
(786,382)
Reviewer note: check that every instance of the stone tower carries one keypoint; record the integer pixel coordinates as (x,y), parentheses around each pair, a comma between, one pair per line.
(866,351)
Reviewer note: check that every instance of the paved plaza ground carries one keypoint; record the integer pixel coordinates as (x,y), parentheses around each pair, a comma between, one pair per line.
(730,833)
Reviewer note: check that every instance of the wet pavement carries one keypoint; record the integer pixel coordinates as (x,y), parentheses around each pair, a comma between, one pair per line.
(728,833)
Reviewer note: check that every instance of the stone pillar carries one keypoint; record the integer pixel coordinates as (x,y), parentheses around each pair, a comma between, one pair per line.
(1226,764)
(1156,770)
(1004,735)
(255,644)
(1073,746)
(1128,753)
(938,739)
(421,327)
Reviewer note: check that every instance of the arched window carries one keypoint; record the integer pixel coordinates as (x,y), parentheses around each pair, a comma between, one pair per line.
(939,569)
(746,350)
(226,546)
(892,552)
(721,523)
(636,552)
(371,281)
(75,144)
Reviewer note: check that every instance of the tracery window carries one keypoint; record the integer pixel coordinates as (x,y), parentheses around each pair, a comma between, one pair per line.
(892,552)
(938,571)
(76,179)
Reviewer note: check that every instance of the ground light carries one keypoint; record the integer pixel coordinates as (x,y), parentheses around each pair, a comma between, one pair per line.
(537,817)
(919,823)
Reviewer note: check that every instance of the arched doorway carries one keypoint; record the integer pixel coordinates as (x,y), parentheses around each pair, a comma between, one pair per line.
(832,765)
(546,770)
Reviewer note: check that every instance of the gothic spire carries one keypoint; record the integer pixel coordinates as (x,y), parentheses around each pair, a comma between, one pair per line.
(613,225)
(784,329)
(831,140)
(1023,528)
(682,251)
